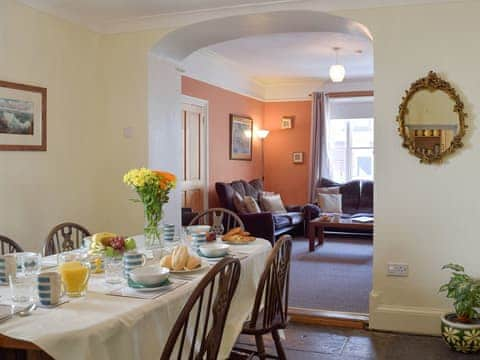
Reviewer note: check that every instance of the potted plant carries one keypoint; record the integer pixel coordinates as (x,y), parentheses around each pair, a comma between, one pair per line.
(461,329)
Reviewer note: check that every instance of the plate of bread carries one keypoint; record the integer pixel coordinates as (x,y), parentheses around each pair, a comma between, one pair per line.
(181,261)
(237,236)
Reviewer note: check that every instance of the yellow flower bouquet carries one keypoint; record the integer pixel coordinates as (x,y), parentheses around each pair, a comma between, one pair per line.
(153,188)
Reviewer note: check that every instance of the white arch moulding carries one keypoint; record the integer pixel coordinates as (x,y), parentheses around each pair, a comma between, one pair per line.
(164,77)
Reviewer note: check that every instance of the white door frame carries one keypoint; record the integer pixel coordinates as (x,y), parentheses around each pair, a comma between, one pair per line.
(186,99)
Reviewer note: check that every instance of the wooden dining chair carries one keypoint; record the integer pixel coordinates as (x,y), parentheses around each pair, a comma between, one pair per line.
(197,334)
(64,237)
(221,220)
(269,314)
(7,245)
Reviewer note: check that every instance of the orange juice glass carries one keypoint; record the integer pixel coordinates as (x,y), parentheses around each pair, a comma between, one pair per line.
(75,272)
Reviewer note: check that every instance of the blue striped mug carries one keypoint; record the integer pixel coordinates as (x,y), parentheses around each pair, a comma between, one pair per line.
(168,232)
(8,266)
(131,260)
(49,288)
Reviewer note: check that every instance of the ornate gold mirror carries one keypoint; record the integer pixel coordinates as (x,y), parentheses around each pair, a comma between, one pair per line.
(431,119)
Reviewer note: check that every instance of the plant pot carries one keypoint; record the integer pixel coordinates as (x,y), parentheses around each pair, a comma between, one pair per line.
(459,336)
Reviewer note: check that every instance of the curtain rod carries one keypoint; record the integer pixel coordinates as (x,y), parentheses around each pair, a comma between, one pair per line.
(359,93)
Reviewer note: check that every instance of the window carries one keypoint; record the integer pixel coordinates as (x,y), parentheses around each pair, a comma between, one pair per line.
(350,149)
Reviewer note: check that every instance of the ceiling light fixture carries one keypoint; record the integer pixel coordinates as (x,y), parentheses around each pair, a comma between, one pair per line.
(337,71)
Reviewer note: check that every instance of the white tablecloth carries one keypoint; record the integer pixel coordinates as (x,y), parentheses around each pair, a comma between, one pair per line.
(101,326)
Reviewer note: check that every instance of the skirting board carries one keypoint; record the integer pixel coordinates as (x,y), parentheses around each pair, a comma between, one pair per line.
(404,319)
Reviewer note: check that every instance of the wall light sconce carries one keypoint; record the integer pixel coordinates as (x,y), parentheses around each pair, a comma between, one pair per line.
(262,133)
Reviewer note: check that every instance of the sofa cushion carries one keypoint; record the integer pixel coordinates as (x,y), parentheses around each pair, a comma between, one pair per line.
(350,196)
(257,184)
(366,197)
(295,217)
(272,203)
(251,205)
(239,204)
(239,187)
(330,203)
(251,191)
(281,220)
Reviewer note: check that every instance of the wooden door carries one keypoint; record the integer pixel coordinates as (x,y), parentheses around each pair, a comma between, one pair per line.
(194,137)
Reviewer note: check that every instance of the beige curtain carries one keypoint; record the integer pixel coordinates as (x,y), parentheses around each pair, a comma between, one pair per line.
(318,146)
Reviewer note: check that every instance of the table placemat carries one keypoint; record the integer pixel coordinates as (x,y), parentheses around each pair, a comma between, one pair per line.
(126,291)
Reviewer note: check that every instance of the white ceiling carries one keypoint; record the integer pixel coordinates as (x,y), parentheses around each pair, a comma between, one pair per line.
(111,16)
(276,58)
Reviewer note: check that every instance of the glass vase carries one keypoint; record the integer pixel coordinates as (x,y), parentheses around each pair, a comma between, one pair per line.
(152,231)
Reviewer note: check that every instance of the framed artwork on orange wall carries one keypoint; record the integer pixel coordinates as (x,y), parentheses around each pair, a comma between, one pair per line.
(241,131)
(287,122)
(298,157)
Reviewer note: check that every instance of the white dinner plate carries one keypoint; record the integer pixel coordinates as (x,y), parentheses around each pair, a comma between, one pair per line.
(202,266)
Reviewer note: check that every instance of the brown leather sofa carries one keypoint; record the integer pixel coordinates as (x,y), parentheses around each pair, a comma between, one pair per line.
(357,200)
(357,195)
(266,225)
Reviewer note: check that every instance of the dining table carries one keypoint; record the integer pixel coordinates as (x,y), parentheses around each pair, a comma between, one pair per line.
(115,322)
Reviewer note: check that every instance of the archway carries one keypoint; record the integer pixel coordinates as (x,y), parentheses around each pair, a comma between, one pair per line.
(165,68)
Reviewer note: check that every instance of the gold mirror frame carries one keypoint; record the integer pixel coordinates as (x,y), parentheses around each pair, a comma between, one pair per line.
(432,82)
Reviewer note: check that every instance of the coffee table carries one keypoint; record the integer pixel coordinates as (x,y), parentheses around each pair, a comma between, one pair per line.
(316,229)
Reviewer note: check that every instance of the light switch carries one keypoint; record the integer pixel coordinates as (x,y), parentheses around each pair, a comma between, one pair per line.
(128,132)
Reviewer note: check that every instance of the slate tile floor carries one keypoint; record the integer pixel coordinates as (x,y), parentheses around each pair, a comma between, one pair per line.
(321,343)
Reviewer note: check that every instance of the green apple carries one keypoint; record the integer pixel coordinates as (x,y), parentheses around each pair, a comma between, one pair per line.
(130,244)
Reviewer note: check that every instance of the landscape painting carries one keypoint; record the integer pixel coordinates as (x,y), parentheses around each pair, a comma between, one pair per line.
(241,131)
(23,117)
(16,117)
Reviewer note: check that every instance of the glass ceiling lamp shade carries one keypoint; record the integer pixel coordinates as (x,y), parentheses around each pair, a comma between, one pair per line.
(337,71)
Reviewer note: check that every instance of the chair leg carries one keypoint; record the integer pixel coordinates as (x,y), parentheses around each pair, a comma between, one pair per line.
(278,345)
(260,347)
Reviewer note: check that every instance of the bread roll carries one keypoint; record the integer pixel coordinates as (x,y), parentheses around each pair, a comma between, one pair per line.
(166,261)
(234,231)
(179,257)
(193,262)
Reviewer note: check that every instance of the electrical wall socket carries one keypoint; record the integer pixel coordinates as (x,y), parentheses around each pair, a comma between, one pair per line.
(397,269)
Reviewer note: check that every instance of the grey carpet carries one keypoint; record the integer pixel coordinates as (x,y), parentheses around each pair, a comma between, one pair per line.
(336,276)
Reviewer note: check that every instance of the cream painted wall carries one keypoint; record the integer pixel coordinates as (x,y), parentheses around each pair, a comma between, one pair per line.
(425,215)
(415,204)
(40,189)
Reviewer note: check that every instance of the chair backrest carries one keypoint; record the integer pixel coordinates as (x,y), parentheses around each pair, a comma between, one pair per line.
(64,237)
(7,245)
(221,220)
(198,334)
(273,287)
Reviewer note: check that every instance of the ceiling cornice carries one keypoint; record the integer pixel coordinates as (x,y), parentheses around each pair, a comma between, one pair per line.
(177,19)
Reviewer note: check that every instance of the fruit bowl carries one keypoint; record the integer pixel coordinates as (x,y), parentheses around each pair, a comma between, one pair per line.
(214,250)
(149,275)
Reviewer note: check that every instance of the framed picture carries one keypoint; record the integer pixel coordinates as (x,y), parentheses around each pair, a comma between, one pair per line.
(297,157)
(23,117)
(241,130)
(287,122)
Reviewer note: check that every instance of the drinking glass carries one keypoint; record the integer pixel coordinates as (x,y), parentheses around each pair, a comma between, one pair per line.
(113,269)
(74,269)
(22,288)
(31,263)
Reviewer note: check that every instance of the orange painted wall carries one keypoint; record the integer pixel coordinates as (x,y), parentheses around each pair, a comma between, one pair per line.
(281,175)
(221,103)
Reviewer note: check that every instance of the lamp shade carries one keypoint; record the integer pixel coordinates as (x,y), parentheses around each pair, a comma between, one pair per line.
(337,73)
(262,133)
